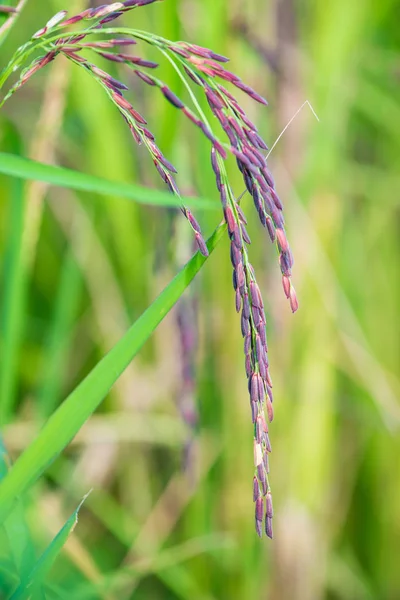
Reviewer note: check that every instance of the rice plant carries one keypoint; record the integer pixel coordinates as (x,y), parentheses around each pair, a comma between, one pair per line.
(116,73)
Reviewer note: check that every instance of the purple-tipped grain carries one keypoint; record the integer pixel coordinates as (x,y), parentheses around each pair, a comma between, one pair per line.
(238,301)
(276,199)
(213,100)
(72,20)
(219,148)
(191,116)
(122,102)
(195,78)
(161,171)
(214,163)
(266,462)
(234,280)
(230,219)
(286,285)
(262,476)
(231,135)
(256,489)
(247,344)
(135,134)
(223,195)
(294,303)
(245,325)
(249,91)
(219,57)
(245,235)
(207,132)
(256,299)
(170,96)
(268,504)
(111,17)
(246,305)
(136,60)
(248,367)
(81,59)
(201,244)
(112,57)
(148,134)
(121,42)
(268,527)
(39,33)
(259,509)
(254,388)
(240,276)
(170,181)
(241,214)
(181,52)
(270,410)
(282,240)
(236,127)
(236,256)
(254,406)
(271,229)
(164,161)
(237,238)
(259,528)
(192,220)
(39,64)
(146,78)
(104,10)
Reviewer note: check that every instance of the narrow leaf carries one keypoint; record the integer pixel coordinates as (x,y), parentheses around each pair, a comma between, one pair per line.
(14,283)
(18,537)
(12,310)
(45,562)
(23,168)
(83,401)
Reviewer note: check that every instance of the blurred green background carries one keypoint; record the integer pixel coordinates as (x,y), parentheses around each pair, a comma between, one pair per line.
(88,267)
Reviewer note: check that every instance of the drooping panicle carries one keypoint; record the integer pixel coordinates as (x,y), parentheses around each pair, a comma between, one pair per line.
(206,69)
(245,142)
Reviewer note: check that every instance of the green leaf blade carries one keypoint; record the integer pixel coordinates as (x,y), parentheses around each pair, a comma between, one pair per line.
(15,537)
(66,421)
(36,577)
(24,168)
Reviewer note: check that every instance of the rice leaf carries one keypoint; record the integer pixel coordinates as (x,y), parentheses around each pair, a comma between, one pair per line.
(36,577)
(24,168)
(16,535)
(66,421)
(12,307)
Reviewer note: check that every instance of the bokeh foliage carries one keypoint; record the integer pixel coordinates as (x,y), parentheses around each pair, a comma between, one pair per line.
(78,269)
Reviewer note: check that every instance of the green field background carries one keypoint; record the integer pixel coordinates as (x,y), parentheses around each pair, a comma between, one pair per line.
(77,269)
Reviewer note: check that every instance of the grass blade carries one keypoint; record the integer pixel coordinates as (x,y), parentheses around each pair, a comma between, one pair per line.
(24,168)
(19,540)
(83,401)
(45,562)
(12,310)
